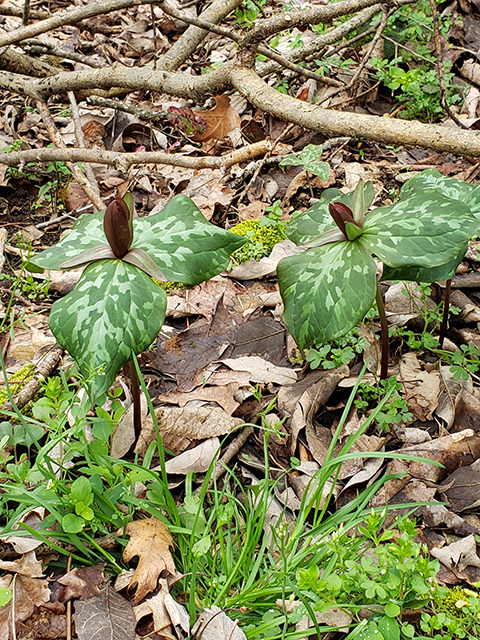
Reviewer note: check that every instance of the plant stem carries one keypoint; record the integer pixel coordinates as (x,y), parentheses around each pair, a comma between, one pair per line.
(385,343)
(309,184)
(137,407)
(446,310)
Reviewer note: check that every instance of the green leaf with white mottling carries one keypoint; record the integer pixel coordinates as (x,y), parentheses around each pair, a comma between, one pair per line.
(184,245)
(422,274)
(425,230)
(290,161)
(311,153)
(316,220)
(433,179)
(115,309)
(87,233)
(318,168)
(326,291)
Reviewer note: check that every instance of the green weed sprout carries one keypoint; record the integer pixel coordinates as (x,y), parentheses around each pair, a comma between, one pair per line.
(310,161)
(328,287)
(116,310)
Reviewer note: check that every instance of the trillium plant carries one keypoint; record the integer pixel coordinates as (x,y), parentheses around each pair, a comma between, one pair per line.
(345,249)
(116,310)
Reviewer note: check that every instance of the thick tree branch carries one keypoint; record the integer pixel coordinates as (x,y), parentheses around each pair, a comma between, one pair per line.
(324,40)
(265,28)
(69,16)
(17,62)
(354,125)
(132,79)
(124,160)
(193,36)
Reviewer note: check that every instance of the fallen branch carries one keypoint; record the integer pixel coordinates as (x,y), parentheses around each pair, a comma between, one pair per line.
(124,160)
(43,370)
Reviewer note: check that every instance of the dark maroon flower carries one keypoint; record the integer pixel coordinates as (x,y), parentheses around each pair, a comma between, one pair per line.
(341,214)
(118,227)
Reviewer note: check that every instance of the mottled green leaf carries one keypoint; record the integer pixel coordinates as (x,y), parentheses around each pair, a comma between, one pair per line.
(422,274)
(450,187)
(316,220)
(184,245)
(326,291)
(115,310)
(433,179)
(87,233)
(318,168)
(310,153)
(425,230)
(290,161)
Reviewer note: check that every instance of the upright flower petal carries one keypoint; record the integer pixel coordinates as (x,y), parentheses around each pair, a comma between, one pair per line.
(118,227)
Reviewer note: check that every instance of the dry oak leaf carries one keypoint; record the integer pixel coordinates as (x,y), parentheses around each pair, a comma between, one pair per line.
(150,540)
(220,120)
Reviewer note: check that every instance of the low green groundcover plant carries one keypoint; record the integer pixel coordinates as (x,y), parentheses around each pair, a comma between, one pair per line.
(116,310)
(331,283)
(226,550)
(261,238)
(379,577)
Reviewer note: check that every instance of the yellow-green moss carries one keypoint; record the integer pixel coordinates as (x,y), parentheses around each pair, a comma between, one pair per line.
(261,239)
(168,287)
(455,601)
(23,375)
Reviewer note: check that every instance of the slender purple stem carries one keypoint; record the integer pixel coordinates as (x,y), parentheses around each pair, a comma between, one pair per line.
(137,407)
(385,342)
(446,311)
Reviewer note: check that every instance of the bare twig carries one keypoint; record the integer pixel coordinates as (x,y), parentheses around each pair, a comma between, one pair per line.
(260,164)
(74,169)
(441,70)
(70,16)
(231,451)
(193,36)
(39,14)
(264,50)
(141,114)
(81,143)
(38,47)
(26,11)
(355,78)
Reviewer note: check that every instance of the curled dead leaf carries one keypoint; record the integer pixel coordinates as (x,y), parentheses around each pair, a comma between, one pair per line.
(150,540)
(220,120)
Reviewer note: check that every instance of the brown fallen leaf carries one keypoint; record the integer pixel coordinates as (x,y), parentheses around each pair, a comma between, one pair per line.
(108,615)
(458,555)
(214,624)
(29,593)
(166,612)
(220,120)
(27,565)
(196,460)
(422,388)
(82,582)
(150,540)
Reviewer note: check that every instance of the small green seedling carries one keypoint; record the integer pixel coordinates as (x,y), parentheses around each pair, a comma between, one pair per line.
(5,596)
(328,287)
(310,161)
(116,310)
